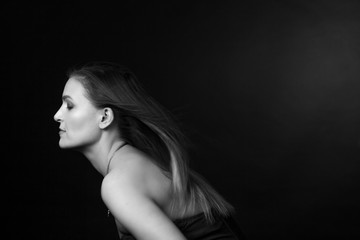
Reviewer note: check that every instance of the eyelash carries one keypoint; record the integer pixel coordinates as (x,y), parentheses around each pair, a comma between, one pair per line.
(69,106)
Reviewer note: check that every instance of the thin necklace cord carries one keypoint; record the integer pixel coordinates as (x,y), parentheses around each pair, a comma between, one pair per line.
(108,166)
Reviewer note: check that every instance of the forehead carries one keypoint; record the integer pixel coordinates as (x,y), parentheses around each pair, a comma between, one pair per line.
(75,90)
(73,87)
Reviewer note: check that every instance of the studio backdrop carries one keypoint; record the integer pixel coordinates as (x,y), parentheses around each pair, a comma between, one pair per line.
(267,91)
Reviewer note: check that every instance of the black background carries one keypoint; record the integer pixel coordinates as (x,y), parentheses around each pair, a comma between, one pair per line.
(267,90)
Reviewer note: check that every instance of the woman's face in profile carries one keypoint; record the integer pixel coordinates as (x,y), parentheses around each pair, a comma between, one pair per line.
(77,116)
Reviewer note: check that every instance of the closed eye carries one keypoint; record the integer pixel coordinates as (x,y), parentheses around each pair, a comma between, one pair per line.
(69,106)
(67,100)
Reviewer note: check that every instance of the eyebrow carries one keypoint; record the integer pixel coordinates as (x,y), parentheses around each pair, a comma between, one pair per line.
(66,97)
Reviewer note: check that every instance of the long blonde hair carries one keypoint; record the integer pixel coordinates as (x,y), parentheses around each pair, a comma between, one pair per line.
(146,125)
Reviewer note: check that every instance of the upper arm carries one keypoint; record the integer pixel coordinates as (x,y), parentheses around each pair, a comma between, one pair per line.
(128,202)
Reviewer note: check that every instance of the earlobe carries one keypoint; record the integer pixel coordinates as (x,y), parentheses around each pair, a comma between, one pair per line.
(107,116)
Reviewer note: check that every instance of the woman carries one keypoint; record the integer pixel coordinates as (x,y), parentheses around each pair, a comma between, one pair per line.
(135,144)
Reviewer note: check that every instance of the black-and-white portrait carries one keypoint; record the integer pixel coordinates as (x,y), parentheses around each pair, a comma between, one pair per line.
(182,120)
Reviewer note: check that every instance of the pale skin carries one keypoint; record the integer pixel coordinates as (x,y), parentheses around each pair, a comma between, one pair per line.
(135,190)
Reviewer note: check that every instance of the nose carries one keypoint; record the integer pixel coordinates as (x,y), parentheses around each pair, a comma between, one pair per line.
(57,116)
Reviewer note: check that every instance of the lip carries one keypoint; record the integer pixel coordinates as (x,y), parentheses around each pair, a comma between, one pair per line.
(61,131)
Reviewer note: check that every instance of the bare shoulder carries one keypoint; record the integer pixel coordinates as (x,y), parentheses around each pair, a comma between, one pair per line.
(127,172)
(129,191)
(134,172)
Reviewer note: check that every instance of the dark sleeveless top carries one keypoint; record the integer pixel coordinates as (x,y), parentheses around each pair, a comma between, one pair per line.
(197,228)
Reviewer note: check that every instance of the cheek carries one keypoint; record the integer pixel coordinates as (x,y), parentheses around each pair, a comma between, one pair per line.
(78,121)
(82,126)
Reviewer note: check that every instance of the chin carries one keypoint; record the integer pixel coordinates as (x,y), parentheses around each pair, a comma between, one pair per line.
(66,145)
(63,144)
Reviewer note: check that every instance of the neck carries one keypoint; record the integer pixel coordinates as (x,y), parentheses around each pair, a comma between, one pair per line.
(100,153)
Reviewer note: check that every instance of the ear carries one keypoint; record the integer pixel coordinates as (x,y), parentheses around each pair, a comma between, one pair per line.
(107,117)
